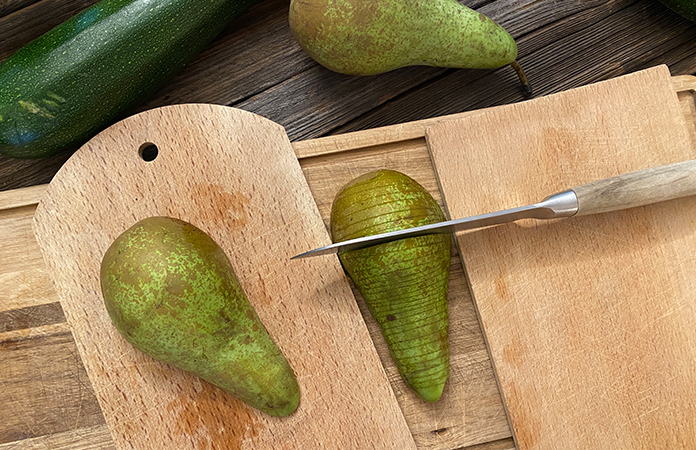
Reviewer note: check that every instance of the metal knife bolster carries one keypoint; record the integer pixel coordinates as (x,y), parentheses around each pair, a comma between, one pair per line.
(561,204)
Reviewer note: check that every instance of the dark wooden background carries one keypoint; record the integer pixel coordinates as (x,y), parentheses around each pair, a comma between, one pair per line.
(256,65)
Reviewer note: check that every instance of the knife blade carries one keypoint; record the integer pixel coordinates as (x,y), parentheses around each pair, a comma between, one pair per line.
(643,187)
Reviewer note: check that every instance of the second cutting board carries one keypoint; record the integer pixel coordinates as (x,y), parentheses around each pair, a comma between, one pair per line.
(590,321)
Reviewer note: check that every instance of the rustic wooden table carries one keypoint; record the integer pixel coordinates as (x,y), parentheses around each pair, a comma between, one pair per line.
(257,66)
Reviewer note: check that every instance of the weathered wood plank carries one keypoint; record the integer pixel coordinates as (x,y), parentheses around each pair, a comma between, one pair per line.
(255,52)
(256,65)
(23,276)
(7,7)
(91,438)
(43,386)
(502,444)
(18,173)
(31,317)
(26,24)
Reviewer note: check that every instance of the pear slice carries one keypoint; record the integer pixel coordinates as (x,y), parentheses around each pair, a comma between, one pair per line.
(404,282)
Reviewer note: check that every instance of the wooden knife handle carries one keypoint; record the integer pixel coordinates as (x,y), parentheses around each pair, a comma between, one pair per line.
(643,187)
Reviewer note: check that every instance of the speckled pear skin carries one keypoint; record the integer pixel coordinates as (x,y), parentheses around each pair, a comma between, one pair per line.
(404,282)
(171,291)
(368,37)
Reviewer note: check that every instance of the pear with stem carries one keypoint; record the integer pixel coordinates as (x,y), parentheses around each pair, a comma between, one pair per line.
(369,37)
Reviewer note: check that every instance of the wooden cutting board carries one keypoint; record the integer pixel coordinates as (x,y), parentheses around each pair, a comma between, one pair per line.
(234,175)
(590,321)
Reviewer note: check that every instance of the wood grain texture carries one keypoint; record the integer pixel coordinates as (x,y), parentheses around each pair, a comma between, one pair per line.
(474,420)
(633,189)
(503,444)
(31,317)
(89,438)
(18,198)
(43,386)
(244,187)
(9,6)
(256,65)
(24,277)
(590,321)
(255,52)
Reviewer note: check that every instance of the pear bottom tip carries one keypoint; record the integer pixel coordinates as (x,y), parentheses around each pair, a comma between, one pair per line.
(430,394)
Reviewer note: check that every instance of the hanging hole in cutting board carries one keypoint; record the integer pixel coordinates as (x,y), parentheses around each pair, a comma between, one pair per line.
(148,151)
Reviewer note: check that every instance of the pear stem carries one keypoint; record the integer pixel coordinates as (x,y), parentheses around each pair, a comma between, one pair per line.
(526,87)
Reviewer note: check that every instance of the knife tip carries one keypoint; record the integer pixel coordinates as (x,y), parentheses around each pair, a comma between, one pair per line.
(328,250)
(306,254)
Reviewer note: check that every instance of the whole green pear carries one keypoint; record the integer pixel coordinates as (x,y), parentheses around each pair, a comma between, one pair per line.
(171,292)
(404,282)
(368,37)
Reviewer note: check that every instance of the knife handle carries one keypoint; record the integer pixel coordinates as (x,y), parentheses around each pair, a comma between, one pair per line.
(643,187)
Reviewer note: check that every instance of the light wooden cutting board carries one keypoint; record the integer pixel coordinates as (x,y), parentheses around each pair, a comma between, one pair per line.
(234,175)
(590,321)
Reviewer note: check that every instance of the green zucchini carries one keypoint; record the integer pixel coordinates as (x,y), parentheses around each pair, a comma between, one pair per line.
(62,88)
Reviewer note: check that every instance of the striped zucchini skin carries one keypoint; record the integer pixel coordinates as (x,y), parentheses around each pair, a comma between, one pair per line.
(404,282)
(62,88)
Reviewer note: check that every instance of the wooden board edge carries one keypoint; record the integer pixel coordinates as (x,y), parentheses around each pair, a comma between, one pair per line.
(368,138)
(684,83)
(330,144)
(93,437)
(469,287)
(18,198)
(500,444)
(412,130)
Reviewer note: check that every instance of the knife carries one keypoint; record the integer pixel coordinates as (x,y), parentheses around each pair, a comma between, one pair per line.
(643,187)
